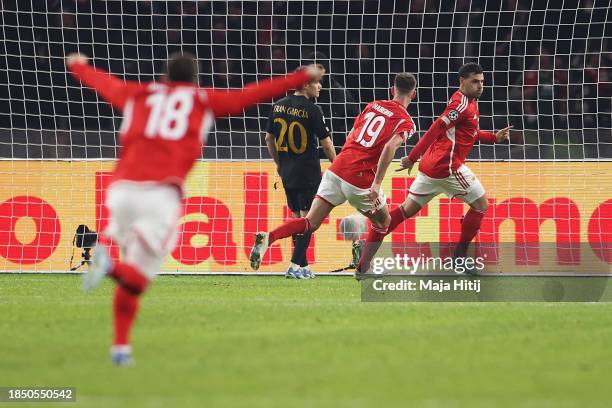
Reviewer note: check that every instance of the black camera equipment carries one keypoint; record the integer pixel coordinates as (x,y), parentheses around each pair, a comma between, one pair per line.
(86,239)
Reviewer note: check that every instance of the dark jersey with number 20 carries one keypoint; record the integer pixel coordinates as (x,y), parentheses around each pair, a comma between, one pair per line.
(297,124)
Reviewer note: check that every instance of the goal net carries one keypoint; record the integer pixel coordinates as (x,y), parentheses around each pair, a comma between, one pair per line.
(547,69)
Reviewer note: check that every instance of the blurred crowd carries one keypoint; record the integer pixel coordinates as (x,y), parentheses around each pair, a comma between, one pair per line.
(548,68)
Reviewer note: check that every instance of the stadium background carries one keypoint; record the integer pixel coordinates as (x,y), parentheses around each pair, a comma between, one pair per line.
(548,74)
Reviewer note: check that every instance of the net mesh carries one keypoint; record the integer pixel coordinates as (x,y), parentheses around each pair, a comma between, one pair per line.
(547,72)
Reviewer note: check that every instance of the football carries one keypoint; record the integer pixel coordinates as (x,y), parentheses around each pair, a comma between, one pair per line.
(352,227)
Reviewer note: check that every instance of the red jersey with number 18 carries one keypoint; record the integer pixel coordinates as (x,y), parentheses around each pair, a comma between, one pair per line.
(380,120)
(164,128)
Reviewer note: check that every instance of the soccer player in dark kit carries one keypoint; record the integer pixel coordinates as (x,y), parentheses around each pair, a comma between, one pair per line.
(296,128)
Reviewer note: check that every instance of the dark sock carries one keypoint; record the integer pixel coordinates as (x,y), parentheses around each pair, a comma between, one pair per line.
(302,241)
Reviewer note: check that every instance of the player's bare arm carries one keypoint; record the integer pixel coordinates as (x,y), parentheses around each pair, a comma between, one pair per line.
(328,147)
(406,164)
(271,144)
(385,159)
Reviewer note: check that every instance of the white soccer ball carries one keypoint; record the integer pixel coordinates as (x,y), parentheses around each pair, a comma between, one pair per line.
(353,227)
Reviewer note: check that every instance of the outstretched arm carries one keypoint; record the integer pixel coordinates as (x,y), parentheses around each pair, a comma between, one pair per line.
(500,136)
(485,137)
(231,102)
(112,89)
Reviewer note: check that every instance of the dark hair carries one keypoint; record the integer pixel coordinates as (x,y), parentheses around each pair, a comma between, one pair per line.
(470,68)
(404,83)
(182,68)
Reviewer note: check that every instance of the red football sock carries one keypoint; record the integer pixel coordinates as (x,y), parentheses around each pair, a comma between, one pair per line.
(375,238)
(470,225)
(129,277)
(397,217)
(290,227)
(125,306)
(373,242)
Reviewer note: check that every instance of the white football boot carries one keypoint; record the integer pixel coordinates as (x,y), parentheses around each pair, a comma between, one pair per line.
(259,249)
(100,267)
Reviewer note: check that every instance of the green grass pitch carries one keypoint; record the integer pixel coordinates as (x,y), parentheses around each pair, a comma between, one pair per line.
(253,341)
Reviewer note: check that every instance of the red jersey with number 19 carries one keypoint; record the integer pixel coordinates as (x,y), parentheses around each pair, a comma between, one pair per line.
(165,124)
(373,128)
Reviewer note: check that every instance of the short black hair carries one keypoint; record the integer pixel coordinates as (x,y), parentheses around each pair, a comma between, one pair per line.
(470,68)
(182,68)
(404,83)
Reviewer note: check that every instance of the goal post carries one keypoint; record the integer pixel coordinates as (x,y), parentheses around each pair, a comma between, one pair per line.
(548,72)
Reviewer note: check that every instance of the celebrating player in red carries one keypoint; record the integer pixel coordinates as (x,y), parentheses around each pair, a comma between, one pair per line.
(164,127)
(443,150)
(358,171)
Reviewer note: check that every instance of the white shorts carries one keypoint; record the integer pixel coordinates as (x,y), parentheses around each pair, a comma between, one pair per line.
(143,222)
(462,184)
(336,191)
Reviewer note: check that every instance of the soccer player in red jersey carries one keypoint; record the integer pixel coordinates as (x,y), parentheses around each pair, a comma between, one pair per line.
(358,171)
(443,150)
(164,127)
